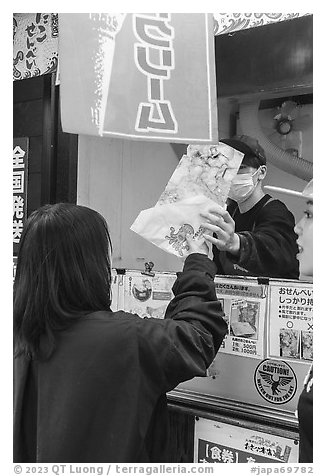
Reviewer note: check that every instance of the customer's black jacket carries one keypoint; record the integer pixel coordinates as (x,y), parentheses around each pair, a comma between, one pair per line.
(101,396)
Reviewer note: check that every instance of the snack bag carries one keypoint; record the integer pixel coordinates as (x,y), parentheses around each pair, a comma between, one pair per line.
(202,178)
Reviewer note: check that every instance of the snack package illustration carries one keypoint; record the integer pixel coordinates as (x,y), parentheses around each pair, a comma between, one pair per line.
(201,179)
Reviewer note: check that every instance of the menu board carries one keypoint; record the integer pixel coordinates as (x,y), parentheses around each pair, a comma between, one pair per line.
(217,442)
(146,295)
(290,331)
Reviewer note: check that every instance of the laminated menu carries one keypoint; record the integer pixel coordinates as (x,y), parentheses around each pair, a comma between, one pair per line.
(290,328)
(201,179)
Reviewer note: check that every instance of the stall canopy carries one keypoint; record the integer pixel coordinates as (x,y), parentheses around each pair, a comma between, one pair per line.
(35,41)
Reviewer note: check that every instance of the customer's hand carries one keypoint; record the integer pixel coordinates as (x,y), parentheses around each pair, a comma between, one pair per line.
(198,245)
(220,222)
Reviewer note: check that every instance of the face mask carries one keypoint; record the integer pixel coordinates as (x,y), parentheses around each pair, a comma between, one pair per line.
(242,187)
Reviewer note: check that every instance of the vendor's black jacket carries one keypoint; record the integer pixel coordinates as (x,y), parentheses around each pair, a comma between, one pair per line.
(101,397)
(267,242)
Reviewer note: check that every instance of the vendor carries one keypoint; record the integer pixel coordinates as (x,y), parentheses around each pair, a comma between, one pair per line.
(254,236)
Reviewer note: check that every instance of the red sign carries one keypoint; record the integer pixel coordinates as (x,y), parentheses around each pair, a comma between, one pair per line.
(139,76)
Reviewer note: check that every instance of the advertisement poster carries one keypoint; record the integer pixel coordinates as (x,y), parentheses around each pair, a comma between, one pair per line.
(138,76)
(244,305)
(147,296)
(291,321)
(217,442)
(20,176)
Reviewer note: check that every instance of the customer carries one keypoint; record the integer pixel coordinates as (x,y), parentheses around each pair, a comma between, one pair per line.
(254,236)
(304,231)
(89,383)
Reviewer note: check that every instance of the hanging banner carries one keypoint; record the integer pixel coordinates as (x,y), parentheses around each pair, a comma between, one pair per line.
(244,305)
(291,321)
(139,76)
(20,164)
(217,442)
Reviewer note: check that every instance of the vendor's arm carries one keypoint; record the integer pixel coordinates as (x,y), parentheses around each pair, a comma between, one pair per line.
(220,222)
(269,250)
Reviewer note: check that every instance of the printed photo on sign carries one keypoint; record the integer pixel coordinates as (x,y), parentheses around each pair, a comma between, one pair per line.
(290,329)
(217,442)
(306,345)
(148,296)
(244,319)
(290,343)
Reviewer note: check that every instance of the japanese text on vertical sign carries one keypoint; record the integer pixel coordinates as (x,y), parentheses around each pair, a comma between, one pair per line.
(154,57)
(19,188)
(35,33)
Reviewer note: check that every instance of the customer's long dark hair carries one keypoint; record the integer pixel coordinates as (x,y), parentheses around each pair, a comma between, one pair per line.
(63,272)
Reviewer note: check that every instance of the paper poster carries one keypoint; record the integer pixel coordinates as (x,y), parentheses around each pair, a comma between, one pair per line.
(201,179)
(148,296)
(244,305)
(291,321)
(217,442)
(20,178)
(139,76)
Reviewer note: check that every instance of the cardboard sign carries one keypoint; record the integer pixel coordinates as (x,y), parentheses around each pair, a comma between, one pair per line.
(139,76)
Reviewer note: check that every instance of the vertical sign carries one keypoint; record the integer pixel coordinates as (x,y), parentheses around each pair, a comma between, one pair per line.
(139,76)
(20,167)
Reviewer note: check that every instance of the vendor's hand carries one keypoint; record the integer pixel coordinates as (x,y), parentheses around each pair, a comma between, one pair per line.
(198,245)
(220,222)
